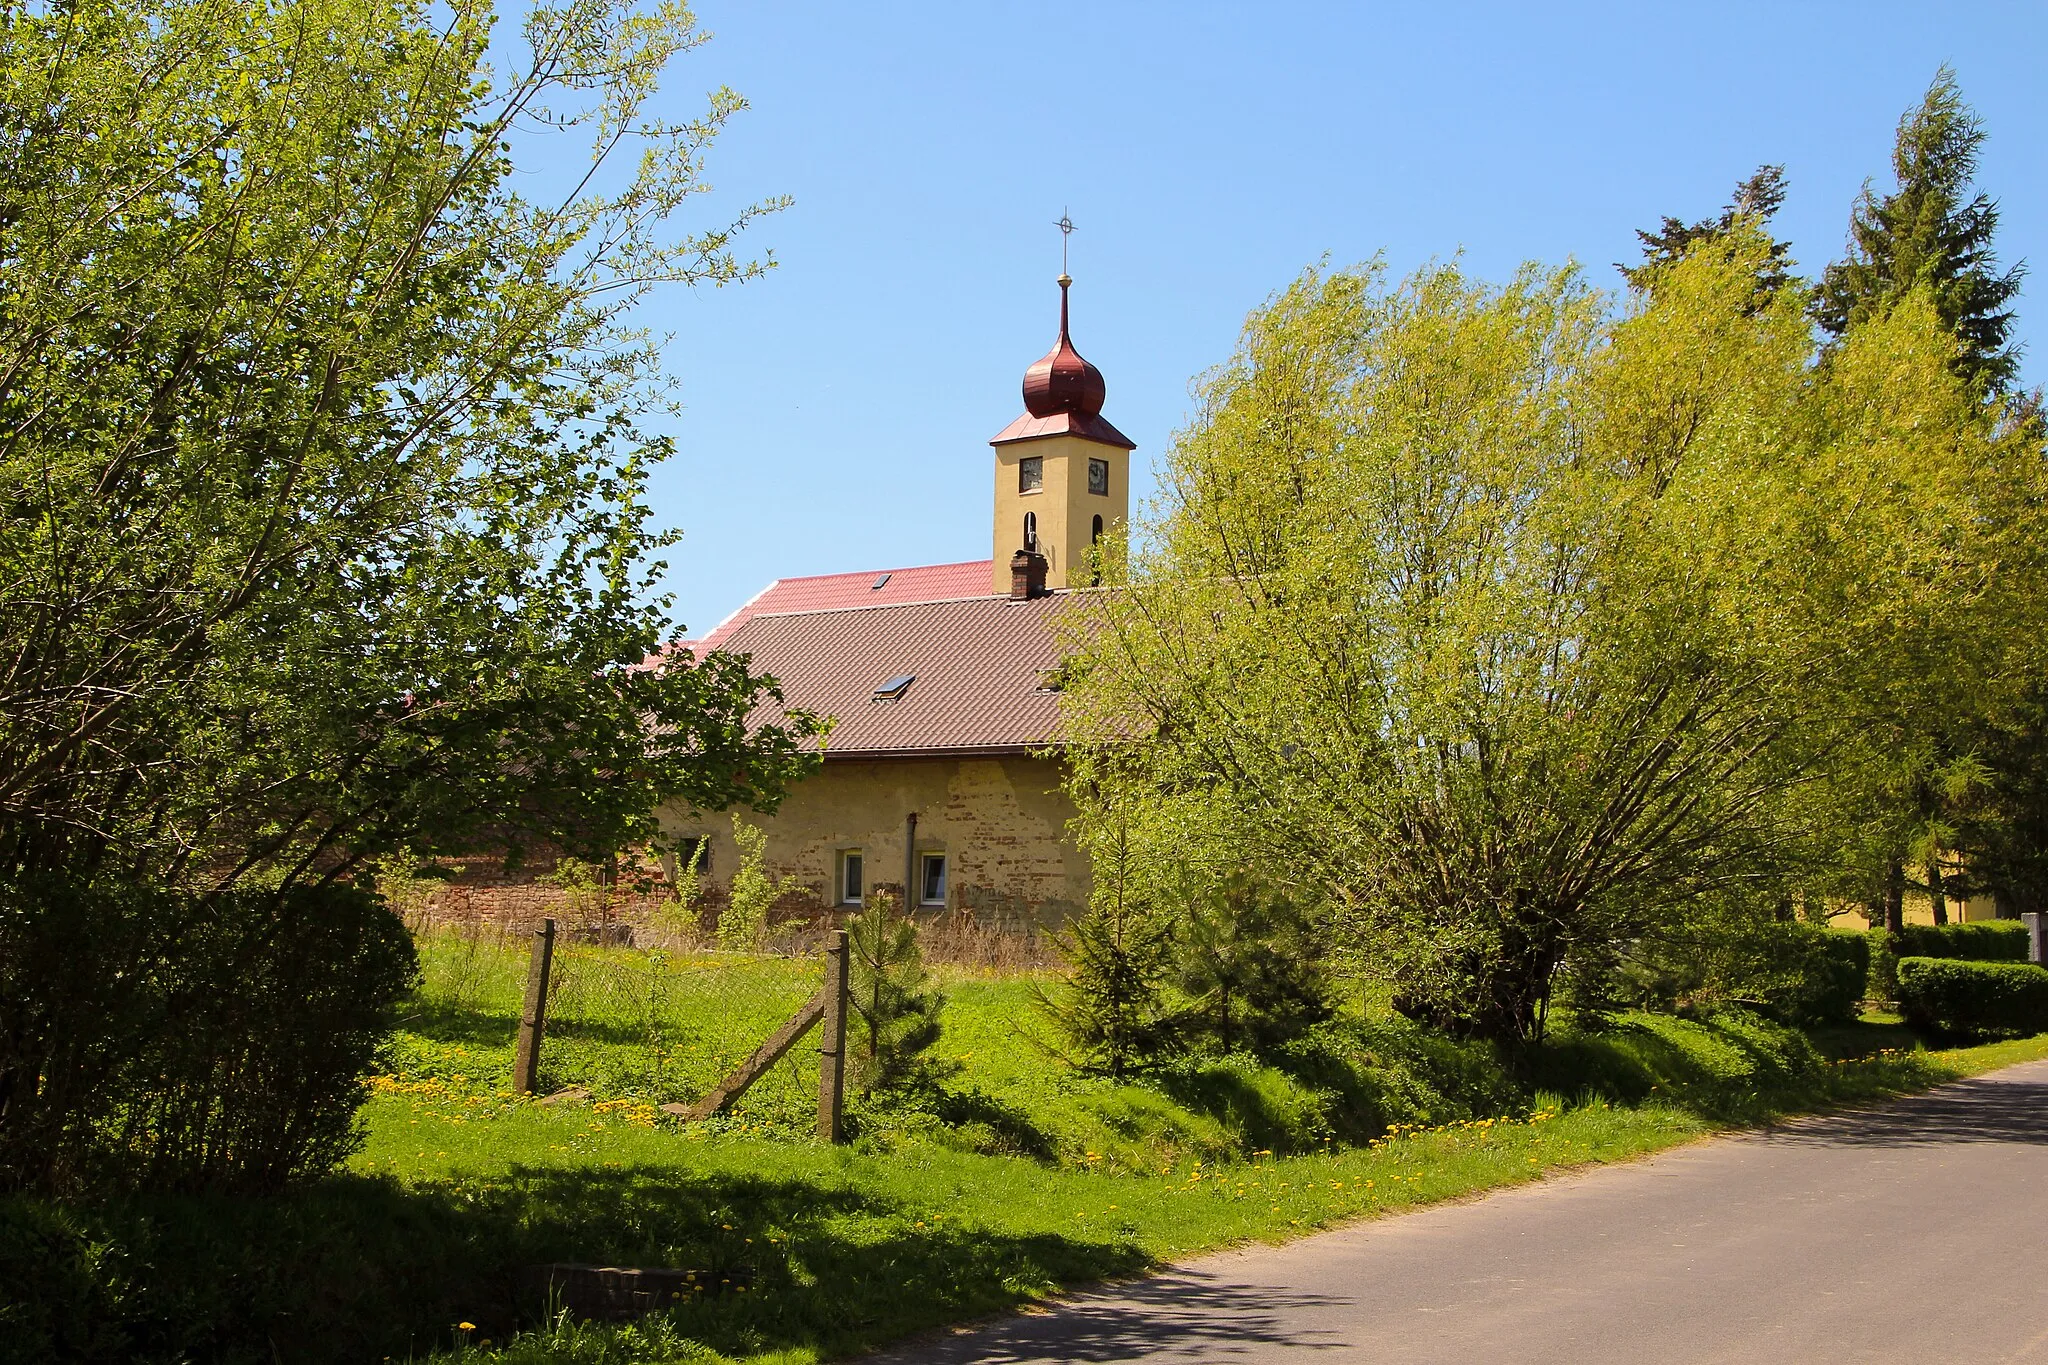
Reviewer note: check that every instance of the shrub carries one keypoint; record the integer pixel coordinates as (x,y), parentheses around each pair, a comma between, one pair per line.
(154,1040)
(1789,970)
(1955,997)
(1996,940)
(1256,963)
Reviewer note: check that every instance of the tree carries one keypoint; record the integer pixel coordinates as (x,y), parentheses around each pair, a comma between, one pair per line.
(1513,627)
(1932,234)
(896,1007)
(1756,201)
(1254,962)
(322,516)
(1112,1013)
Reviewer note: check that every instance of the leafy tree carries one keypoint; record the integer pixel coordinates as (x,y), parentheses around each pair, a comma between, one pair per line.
(1512,627)
(1756,201)
(896,1007)
(1931,234)
(322,517)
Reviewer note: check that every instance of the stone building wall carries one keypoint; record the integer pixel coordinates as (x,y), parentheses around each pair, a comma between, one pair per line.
(1000,822)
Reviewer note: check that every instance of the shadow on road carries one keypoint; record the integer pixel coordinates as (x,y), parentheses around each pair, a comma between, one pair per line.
(1173,1317)
(1981,1110)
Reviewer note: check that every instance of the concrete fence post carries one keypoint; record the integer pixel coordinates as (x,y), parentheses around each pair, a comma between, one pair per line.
(2037,938)
(533,1018)
(832,1047)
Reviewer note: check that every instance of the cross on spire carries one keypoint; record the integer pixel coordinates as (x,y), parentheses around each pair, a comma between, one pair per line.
(1066,227)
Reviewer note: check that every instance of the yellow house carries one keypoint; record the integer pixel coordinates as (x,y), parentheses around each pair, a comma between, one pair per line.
(938,678)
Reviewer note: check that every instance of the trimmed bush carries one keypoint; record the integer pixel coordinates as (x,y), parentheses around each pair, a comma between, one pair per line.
(1956,998)
(1994,940)
(1788,970)
(156,1041)
(1986,940)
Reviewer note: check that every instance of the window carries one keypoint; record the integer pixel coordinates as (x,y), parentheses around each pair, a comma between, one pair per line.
(894,689)
(1031,474)
(1098,477)
(1095,534)
(850,885)
(934,880)
(1031,532)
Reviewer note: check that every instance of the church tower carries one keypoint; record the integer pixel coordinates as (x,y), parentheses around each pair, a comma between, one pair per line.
(1063,474)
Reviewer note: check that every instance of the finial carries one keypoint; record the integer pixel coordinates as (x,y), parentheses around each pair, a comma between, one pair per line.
(1066,227)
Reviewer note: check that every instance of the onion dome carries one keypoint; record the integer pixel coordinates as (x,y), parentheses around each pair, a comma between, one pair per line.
(1062,381)
(1063,396)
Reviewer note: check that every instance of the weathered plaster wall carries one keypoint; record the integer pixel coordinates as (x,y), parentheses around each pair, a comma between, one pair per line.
(1001,822)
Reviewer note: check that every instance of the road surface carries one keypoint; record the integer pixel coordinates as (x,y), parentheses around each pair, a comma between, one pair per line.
(1915,1231)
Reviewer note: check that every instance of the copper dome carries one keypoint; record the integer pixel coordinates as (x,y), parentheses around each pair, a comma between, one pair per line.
(1062,381)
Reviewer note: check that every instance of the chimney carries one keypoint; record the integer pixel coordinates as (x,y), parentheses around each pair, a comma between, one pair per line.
(1027,575)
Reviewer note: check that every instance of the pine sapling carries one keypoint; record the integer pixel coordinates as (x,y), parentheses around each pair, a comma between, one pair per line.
(895,1005)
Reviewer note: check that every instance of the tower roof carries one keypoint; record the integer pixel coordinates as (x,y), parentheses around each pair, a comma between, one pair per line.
(1063,395)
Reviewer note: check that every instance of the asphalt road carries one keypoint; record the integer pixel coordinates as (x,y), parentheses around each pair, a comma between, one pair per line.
(1916,1231)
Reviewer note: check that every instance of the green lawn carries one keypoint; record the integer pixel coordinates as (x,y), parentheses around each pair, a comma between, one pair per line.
(1027,1179)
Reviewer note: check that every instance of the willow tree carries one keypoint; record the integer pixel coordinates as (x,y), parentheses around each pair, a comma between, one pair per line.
(322,515)
(1511,622)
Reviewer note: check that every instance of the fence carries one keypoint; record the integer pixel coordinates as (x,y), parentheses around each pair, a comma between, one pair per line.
(688,1031)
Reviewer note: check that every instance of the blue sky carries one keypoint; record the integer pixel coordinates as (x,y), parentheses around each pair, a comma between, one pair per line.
(837,414)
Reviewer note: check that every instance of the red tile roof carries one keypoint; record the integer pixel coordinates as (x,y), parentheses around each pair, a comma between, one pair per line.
(978,663)
(821,592)
(1088,427)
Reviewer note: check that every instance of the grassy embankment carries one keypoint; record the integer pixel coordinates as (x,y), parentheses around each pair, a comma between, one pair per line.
(1030,1178)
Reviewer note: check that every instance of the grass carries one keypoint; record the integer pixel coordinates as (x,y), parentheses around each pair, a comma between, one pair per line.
(810,1251)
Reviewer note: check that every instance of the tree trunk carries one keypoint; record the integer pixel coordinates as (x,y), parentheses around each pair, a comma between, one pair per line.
(1895,897)
(1934,890)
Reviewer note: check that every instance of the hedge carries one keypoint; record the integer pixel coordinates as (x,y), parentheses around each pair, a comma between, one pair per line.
(1798,973)
(1956,998)
(1992,940)
(152,1040)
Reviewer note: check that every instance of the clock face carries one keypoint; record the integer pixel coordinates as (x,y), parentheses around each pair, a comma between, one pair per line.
(1098,477)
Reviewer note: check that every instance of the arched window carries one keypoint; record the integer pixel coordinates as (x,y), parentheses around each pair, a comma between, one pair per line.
(1096,534)
(1095,538)
(1031,532)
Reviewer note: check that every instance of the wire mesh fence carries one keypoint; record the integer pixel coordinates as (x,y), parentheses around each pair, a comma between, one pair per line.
(658,1025)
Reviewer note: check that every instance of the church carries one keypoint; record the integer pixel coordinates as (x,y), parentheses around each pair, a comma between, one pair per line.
(940,680)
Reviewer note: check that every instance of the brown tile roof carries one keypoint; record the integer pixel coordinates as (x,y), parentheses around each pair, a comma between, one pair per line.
(979,664)
(822,592)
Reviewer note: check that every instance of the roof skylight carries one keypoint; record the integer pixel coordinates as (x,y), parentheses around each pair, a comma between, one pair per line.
(895,687)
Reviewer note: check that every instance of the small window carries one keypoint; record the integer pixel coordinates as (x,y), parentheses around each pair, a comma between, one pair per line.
(881,581)
(851,888)
(933,891)
(1095,534)
(1031,474)
(1098,477)
(895,687)
(1031,532)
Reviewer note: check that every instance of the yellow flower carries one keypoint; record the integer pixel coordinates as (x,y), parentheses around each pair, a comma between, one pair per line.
(465,1326)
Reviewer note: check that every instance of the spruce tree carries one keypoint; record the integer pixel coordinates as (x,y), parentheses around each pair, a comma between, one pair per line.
(1759,198)
(1931,233)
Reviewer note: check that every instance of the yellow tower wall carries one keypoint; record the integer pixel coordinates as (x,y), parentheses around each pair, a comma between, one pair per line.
(1066,509)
